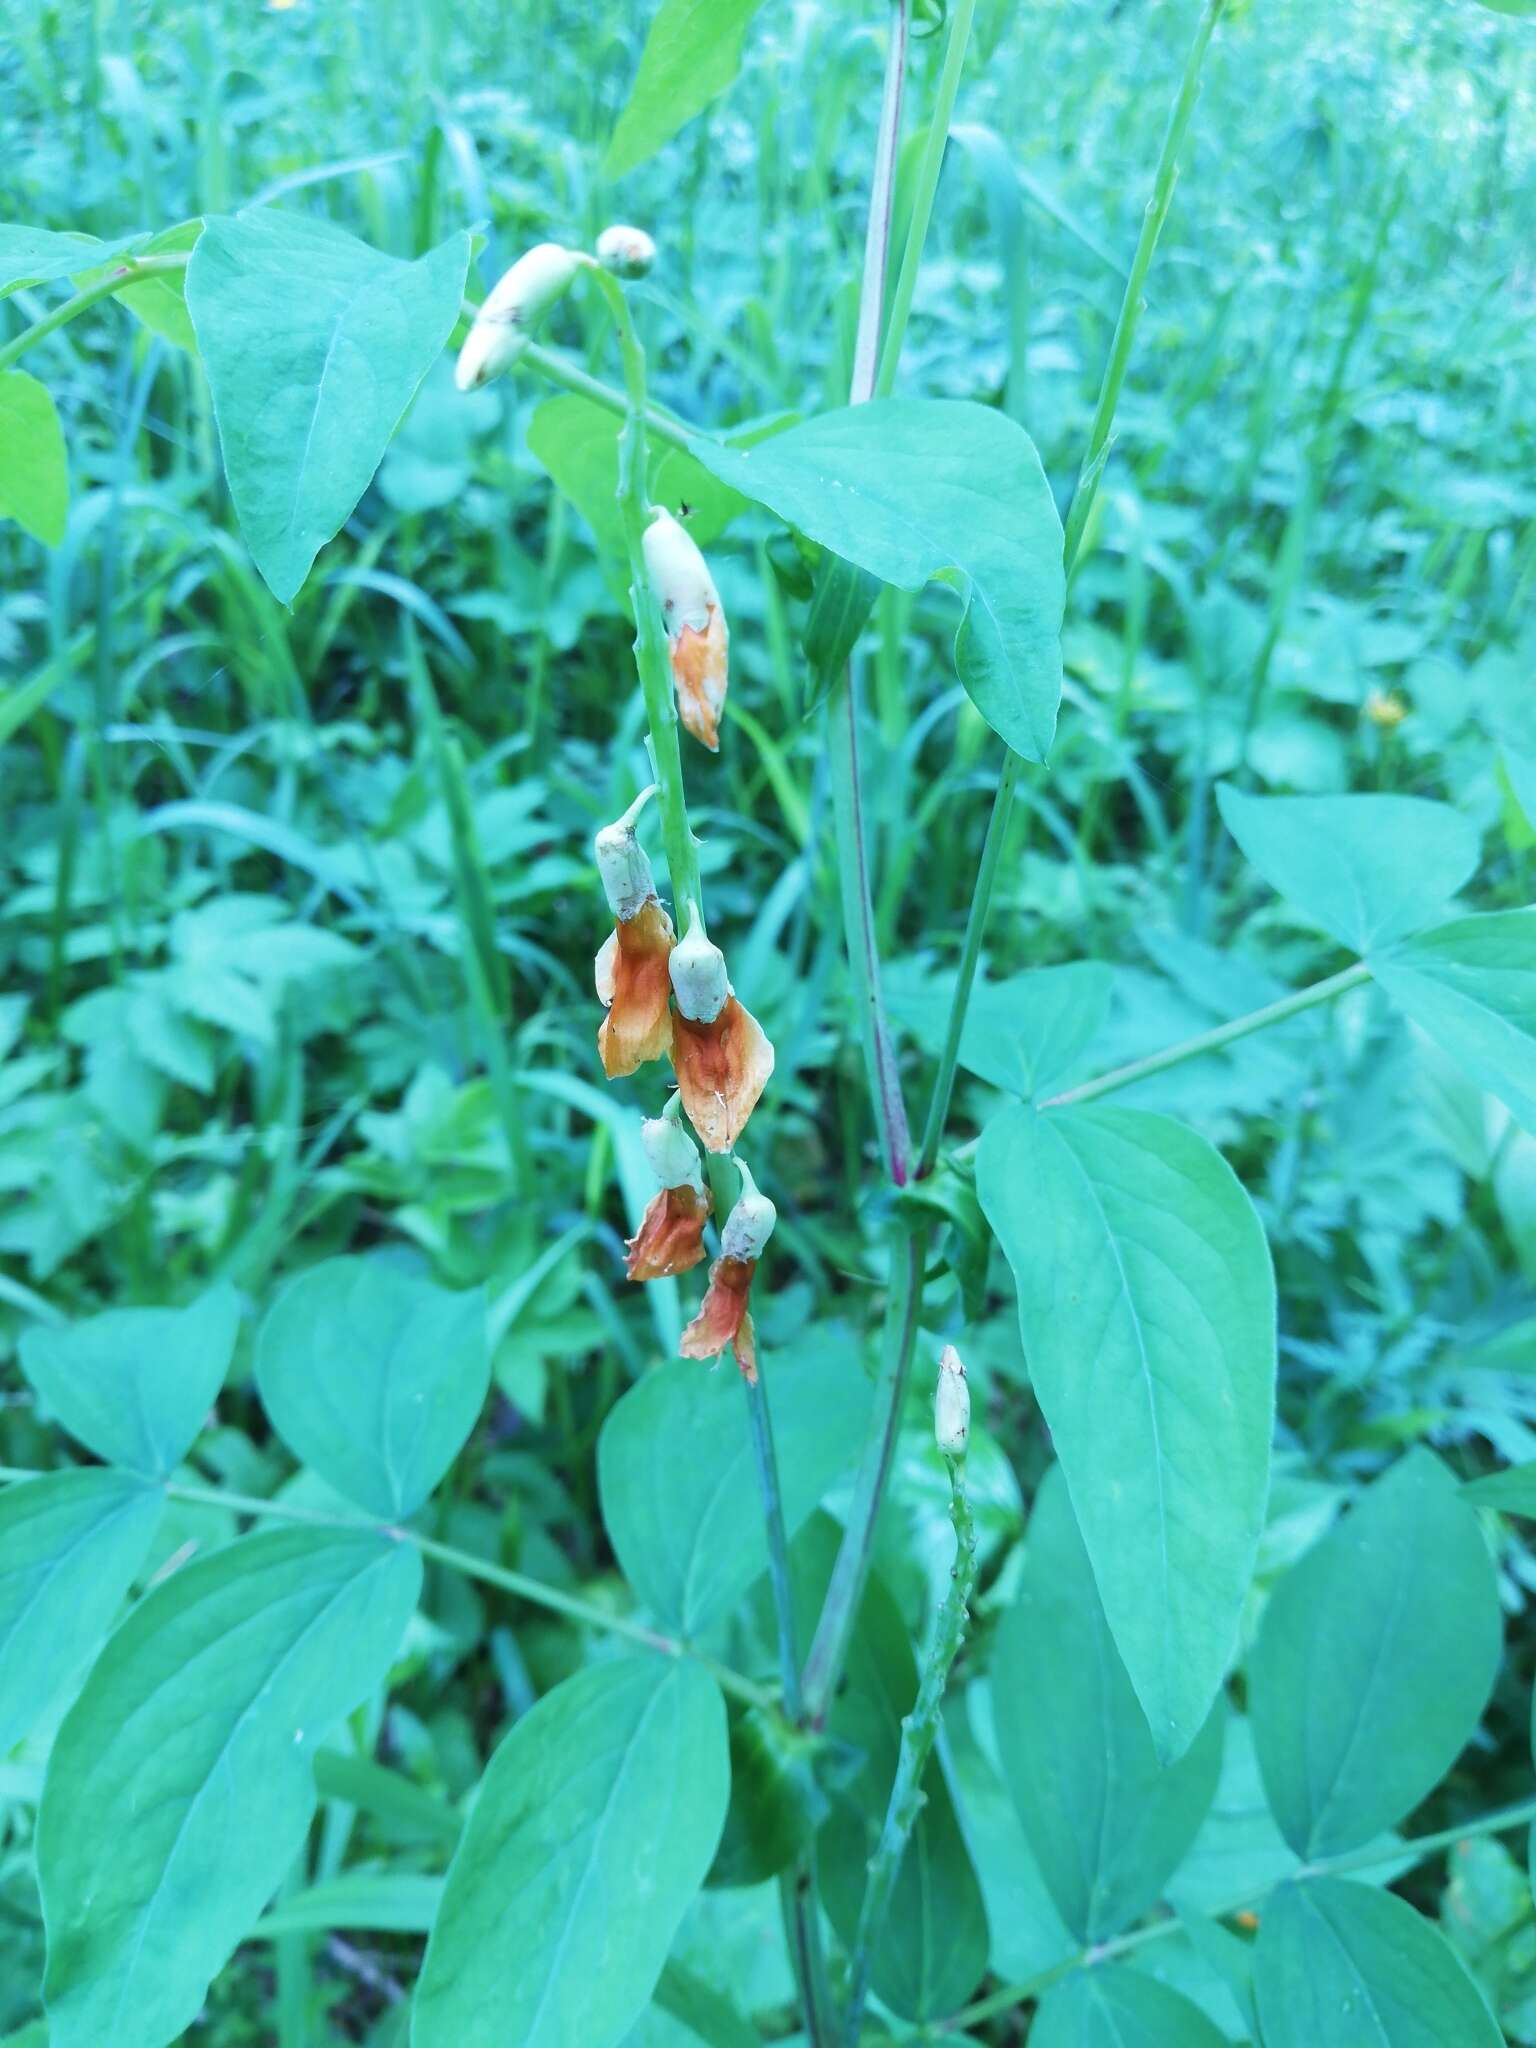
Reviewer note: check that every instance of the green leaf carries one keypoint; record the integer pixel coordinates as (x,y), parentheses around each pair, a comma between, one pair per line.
(1471,985)
(675,1468)
(70,1544)
(314,345)
(39,255)
(693,52)
(1512,1492)
(1112,2007)
(1365,869)
(135,1384)
(592,1830)
(841,601)
(1107,1822)
(1375,1660)
(1024,1034)
(180,1786)
(915,488)
(384,1902)
(34,462)
(1344,1966)
(578,444)
(1524,10)
(160,302)
(1147,1309)
(374,1377)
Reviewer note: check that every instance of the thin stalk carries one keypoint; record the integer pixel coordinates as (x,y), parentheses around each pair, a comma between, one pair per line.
(882,198)
(471,1567)
(918,1731)
(1214,1039)
(778,1541)
(1373,1857)
(560,370)
(834,1629)
(797,1896)
(103,288)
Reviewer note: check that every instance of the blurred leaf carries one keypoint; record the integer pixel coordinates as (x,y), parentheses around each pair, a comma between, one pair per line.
(34,462)
(136,1384)
(31,255)
(1375,1659)
(374,1377)
(1155,1369)
(1512,1492)
(1338,1965)
(915,488)
(691,55)
(1366,869)
(1471,985)
(70,1544)
(1024,1034)
(194,1735)
(314,346)
(1112,2007)
(383,1902)
(1107,1823)
(598,1816)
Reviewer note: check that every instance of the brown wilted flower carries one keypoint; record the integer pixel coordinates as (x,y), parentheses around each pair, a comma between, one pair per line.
(671,1234)
(722,1055)
(631,966)
(724,1317)
(697,634)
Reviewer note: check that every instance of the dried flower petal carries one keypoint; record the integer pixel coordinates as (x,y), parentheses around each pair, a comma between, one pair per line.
(671,1234)
(724,1317)
(722,1069)
(697,634)
(701,671)
(638,1026)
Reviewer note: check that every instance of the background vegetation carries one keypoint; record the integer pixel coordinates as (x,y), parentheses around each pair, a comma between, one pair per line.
(244,1013)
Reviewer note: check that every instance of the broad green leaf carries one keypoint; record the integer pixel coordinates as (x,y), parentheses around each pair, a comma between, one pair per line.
(915,488)
(1375,1660)
(385,1902)
(314,345)
(1343,1966)
(592,1830)
(1512,1492)
(161,301)
(936,1942)
(578,443)
(135,1384)
(1522,9)
(39,255)
(1365,869)
(1024,1034)
(676,1471)
(34,463)
(691,55)
(70,1544)
(181,1783)
(1107,1822)
(1471,985)
(1147,1309)
(374,1377)
(1113,2007)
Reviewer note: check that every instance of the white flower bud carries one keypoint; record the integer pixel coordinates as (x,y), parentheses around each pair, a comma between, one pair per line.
(626,251)
(672,1153)
(679,575)
(951,1405)
(749,1226)
(504,324)
(699,979)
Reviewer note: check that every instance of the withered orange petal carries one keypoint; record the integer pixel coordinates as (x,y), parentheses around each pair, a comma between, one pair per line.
(723,1317)
(722,1069)
(671,1234)
(638,1026)
(602,968)
(700,669)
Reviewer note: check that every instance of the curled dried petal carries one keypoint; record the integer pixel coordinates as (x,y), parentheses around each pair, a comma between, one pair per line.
(724,1317)
(701,672)
(671,1234)
(638,1026)
(722,1069)
(697,634)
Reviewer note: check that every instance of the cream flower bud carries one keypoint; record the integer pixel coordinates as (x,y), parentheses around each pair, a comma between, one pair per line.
(679,574)
(699,979)
(621,863)
(518,302)
(626,251)
(672,1153)
(750,1223)
(951,1405)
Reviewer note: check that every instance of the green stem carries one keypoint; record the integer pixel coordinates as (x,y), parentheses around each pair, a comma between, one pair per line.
(1374,1857)
(472,1567)
(918,1731)
(103,288)
(560,370)
(1214,1039)
(778,1540)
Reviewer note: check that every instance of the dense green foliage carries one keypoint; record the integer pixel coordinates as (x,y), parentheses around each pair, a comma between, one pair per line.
(312,1190)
